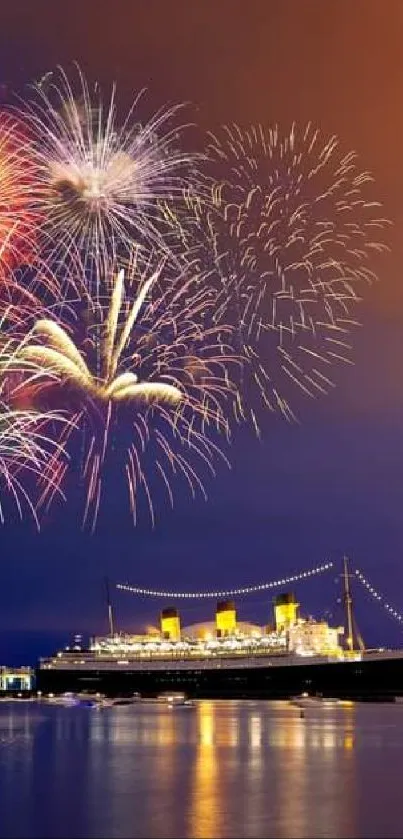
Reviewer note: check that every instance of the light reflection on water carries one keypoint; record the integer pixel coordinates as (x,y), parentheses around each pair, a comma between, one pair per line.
(218,769)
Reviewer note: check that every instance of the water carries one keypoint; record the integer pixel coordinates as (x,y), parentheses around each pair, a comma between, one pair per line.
(219,769)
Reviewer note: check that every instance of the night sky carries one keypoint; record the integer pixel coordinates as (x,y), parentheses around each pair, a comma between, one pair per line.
(312,491)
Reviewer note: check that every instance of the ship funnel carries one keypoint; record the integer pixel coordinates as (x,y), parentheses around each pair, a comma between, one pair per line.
(225,618)
(285,611)
(170,624)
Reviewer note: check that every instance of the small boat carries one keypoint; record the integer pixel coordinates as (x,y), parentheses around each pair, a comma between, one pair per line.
(94,700)
(307,701)
(19,697)
(66,699)
(173,699)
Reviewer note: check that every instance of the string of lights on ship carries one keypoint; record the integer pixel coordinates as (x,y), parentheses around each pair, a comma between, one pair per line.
(267,586)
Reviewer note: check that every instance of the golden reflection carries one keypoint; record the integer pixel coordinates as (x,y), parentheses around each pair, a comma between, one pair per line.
(289,734)
(205,815)
(225,729)
(291,776)
(234,731)
(348,742)
(254,777)
(329,739)
(259,762)
(166,729)
(255,732)
(205,714)
(302,742)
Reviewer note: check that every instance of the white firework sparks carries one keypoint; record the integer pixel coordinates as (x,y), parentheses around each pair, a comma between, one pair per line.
(29,438)
(288,238)
(99,183)
(147,384)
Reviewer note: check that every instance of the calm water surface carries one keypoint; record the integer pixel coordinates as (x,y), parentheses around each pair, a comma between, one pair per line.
(219,769)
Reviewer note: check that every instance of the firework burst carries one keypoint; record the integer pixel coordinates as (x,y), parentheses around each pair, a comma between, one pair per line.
(148,378)
(25,280)
(29,438)
(26,444)
(288,237)
(99,182)
(17,219)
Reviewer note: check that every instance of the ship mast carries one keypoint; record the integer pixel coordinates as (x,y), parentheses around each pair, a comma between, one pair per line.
(110,610)
(348,602)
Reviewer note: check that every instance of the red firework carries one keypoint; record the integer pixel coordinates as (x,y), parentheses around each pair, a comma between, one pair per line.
(18,222)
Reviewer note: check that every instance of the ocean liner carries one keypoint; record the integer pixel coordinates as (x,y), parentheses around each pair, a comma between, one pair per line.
(229,659)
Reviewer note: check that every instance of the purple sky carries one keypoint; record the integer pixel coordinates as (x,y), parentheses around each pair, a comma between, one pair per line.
(333,483)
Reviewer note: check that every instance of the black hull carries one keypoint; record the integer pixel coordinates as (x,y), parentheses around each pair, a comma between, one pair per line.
(356,680)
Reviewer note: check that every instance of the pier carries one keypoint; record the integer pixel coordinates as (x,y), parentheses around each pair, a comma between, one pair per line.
(16,679)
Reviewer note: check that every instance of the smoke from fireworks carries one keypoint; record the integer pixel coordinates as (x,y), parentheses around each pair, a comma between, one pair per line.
(100,182)
(287,238)
(157,379)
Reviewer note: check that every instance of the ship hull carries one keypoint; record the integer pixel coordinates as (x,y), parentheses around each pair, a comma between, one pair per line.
(367,679)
